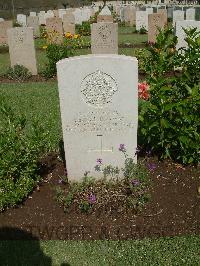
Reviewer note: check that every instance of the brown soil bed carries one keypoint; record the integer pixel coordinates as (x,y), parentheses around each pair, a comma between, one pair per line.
(173,210)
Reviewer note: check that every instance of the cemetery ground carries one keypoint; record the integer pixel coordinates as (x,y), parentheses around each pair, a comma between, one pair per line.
(172,212)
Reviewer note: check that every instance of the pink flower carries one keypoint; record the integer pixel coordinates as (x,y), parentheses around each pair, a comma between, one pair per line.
(143,92)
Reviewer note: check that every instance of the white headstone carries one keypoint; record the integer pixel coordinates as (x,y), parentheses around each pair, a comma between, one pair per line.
(78,16)
(61,12)
(190,14)
(41,16)
(33,14)
(105,11)
(141,20)
(187,24)
(86,13)
(149,10)
(99,111)
(69,18)
(33,21)
(104,38)
(21,48)
(178,15)
(49,14)
(4,26)
(1,19)
(21,19)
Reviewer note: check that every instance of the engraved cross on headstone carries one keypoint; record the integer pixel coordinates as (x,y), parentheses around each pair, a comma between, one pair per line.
(101,149)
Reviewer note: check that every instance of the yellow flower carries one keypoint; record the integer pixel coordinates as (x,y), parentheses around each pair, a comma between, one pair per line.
(45,47)
(68,35)
(76,36)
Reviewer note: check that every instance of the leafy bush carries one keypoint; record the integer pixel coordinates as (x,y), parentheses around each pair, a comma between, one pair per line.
(142,56)
(163,56)
(54,53)
(18,156)
(169,121)
(18,73)
(84,29)
(190,57)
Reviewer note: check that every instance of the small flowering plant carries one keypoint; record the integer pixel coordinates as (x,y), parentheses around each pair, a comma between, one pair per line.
(109,191)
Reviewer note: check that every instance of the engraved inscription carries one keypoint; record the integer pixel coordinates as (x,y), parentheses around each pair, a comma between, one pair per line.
(99,121)
(20,36)
(98,89)
(104,38)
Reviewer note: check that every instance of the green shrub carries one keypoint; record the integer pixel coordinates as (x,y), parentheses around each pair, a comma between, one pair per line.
(190,57)
(18,156)
(163,55)
(169,121)
(18,73)
(142,55)
(54,53)
(84,29)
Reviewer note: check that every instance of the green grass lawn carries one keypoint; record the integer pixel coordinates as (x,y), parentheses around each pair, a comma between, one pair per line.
(37,101)
(162,251)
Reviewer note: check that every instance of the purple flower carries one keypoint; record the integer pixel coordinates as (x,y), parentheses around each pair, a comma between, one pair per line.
(99,161)
(92,198)
(135,182)
(151,166)
(122,148)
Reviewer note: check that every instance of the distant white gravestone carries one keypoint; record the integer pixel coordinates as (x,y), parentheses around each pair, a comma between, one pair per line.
(141,20)
(104,38)
(180,33)
(21,19)
(21,48)
(99,111)
(33,22)
(190,14)
(178,15)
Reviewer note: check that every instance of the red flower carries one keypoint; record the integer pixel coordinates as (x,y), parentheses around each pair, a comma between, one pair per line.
(143,92)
